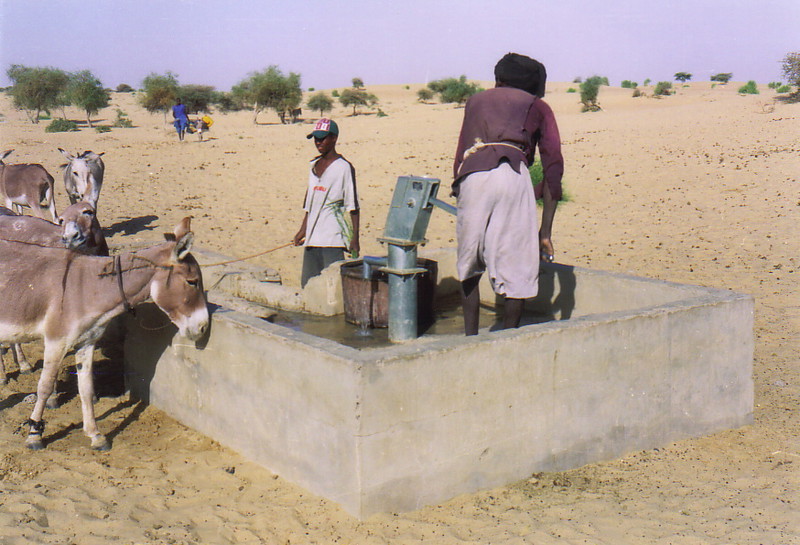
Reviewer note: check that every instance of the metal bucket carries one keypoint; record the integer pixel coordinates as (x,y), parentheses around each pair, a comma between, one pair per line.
(366,293)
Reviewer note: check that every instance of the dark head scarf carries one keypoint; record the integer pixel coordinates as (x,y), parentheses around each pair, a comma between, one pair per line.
(521,72)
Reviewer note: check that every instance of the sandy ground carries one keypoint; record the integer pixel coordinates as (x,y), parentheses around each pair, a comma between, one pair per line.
(701,187)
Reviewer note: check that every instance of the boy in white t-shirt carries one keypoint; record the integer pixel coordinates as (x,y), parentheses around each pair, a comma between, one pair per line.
(331,192)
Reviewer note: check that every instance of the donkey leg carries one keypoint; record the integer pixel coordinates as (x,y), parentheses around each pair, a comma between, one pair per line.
(23,363)
(47,383)
(3,377)
(83,358)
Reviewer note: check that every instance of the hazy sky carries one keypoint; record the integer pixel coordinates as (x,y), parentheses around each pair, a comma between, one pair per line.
(412,41)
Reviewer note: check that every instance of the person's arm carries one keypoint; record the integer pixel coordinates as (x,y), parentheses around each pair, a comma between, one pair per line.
(553,169)
(300,236)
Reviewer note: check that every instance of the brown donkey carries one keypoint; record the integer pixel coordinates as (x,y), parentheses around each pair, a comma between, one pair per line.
(26,185)
(68,299)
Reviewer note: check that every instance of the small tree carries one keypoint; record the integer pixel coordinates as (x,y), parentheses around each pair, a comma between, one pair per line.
(452,90)
(589,91)
(683,77)
(791,70)
(36,89)
(356,98)
(424,95)
(160,93)
(320,101)
(124,88)
(647,82)
(358,83)
(87,93)
(270,89)
(628,84)
(722,77)
(197,98)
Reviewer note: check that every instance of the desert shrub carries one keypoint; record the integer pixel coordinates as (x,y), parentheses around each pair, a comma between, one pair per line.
(103,128)
(454,90)
(45,116)
(784,89)
(124,88)
(335,93)
(407,87)
(311,89)
(537,176)
(774,84)
(424,95)
(663,88)
(122,121)
(628,84)
(647,82)
(589,91)
(61,125)
(750,88)
(381,113)
(572,90)
(637,93)
(724,77)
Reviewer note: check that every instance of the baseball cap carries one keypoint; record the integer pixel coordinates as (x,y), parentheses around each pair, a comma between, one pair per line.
(323,128)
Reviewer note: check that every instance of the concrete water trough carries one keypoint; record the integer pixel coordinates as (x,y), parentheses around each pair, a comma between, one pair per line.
(610,364)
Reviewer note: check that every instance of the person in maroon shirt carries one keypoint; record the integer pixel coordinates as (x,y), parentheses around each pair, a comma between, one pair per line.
(497,219)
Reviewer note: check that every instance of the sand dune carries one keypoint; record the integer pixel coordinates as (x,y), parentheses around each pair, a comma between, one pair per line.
(701,187)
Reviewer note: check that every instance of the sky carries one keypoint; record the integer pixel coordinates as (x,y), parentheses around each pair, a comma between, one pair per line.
(330,42)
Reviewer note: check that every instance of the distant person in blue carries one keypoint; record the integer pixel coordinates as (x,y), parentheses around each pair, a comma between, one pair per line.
(181,119)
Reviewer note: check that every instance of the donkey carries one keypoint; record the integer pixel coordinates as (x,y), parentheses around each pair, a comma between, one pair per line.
(78,230)
(83,176)
(28,185)
(68,299)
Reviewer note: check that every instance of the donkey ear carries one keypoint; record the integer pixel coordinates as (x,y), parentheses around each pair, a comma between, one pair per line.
(183,247)
(66,154)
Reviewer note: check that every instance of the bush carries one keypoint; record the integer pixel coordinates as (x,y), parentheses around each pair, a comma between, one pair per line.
(124,88)
(335,93)
(589,91)
(61,125)
(791,68)
(647,82)
(572,90)
(102,128)
(750,88)
(774,84)
(663,88)
(424,95)
(452,90)
(637,93)
(122,120)
(537,176)
(784,89)
(627,84)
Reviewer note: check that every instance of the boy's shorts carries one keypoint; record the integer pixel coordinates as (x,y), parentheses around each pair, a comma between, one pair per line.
(498,232)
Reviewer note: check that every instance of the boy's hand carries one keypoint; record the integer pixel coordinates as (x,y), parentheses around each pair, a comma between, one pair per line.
(546,252)
(355,247)
(299,238)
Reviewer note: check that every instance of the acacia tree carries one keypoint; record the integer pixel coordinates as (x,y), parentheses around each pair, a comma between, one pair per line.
(358,83)
(270,89)
(37,89)
(791,70)
(682,76)
(452,90)
(356,98)
(197,98)
(321,102)
(87,93)
(724,77)
(160,92)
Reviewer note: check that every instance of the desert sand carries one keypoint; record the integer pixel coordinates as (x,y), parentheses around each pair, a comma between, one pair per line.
(701,187)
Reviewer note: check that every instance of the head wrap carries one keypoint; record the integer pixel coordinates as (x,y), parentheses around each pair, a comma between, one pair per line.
(521,72)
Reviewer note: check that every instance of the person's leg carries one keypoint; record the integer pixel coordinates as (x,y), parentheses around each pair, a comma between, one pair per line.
(470,304)
(312,265)
(512,312)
